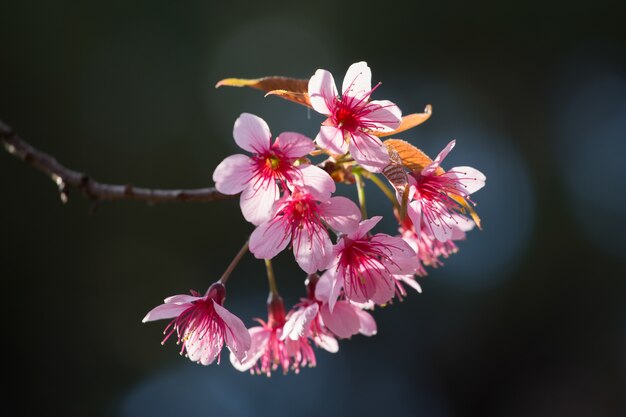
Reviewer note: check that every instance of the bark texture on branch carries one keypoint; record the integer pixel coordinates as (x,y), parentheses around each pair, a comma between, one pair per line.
(66,178)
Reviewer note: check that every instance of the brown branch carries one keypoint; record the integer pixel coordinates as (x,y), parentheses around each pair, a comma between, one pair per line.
(66,178)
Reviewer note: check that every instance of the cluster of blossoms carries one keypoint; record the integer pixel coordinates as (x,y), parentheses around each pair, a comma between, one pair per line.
(289,199)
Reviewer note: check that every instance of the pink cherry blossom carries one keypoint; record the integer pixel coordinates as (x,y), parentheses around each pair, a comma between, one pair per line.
(301,217)
(436,199)
(269,351)
(346,318)
(364,265)
(430,250)
(312,317)
(258,177)
(352,117)
(203,325)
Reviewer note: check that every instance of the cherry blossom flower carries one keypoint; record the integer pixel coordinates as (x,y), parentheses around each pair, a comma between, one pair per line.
(312,316)
(257,178)
(364,265)
(301,217)
(438,200)
(202,325)
(269,351)
(430,250)
(352,117)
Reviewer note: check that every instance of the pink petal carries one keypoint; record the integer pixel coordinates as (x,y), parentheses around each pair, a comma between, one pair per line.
(252,133)
(294,145)
(324,285)
(312,248)
(469,179)
(463,224)
(322,92)
(447,226)
(414,210)
(316,181)
(365,226)
(200,349)
(358,81)
(410,281)
(326,342)
(341,214)
(430,169)
(343,321)
(299,322)
(232,174)
(404,264)
(182,298)
(369,152)
(335,289)
(383,115)
(269,239)
(237,336)
(355,291)
(259,338)
(257,205)
(331,139)
(385,289)
(165,311)
(403,258)
(367,323)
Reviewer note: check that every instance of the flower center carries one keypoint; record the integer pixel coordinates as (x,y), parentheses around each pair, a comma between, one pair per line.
(360,259)
(345,118)
(271,167)
(272,162)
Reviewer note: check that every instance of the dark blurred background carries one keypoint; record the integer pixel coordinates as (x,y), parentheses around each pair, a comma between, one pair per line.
(529,319)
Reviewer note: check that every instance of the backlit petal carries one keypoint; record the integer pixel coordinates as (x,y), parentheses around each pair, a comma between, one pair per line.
(369,152)
(469,180)
(322,92)
(257,205)
(316,181)
(237,336)
(312,248)
(358,81)
(343,321)
(232,174)
(294,145)
(165,311)
(252,133)
(381,115)
(269,239)
(331,139)
(341,214)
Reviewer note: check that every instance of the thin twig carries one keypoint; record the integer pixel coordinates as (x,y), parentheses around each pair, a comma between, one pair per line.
(360,188)
(234,262)
(66,178)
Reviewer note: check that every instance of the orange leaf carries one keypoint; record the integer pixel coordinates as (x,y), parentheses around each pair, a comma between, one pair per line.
(300,98)
(293,89)
(410,121)
(411,157)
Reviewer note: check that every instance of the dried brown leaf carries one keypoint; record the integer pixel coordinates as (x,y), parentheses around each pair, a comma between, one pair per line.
(293,89)
(413,158)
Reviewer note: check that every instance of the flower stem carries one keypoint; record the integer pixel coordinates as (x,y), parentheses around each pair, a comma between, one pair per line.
(383,187)
(360,188)
(271,278)
(234,263)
